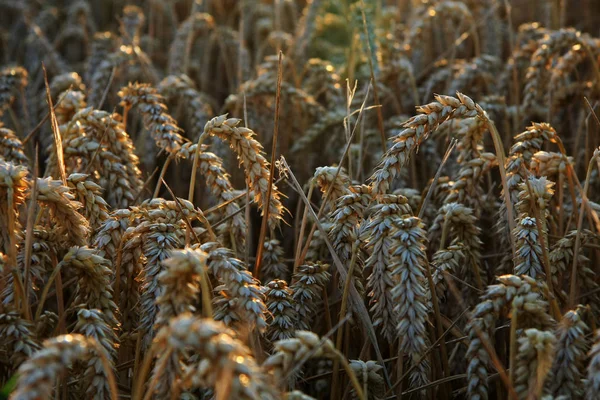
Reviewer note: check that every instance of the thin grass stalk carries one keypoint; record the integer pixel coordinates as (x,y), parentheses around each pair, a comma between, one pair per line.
(263,228)
(584,200)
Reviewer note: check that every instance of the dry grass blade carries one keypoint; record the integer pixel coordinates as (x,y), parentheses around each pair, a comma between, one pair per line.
(355,297)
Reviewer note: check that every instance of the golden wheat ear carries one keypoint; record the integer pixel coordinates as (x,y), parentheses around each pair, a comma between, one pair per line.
(38,375)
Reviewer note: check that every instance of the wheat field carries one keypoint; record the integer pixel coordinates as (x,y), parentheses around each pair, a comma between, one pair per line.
(299,199)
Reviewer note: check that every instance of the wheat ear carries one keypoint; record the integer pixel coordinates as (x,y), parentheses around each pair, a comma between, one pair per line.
(376,233)
(11,148)
(280,305)
(238,283)
(534,360)
(307,286)
(520,295)
(251,154)
(12,81)
(180,282)
(571,348)
(218,355)
(163,128)
(38,375)
(63,208)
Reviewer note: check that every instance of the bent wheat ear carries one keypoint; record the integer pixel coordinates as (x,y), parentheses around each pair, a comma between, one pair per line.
(38,375)
(63,208)
(218,354)
(94,277)
(324,177)
(251,154)
(416,130)
(162,127)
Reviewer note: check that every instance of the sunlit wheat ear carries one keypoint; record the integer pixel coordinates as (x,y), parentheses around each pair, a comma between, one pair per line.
(407,269)
(95,208)
(94,275)
(250,153)
(369,376)
(195,27)
(159,230)
(526,145)
(325,177)
(12,81)
(11,148)
(274,266)
(376,233)
(550,164)
(92,324)
(38,375)
(571,349)
(280,305)
(346,220)
(307,287)
(18,338)
(180,282)
(64,210)
(107,143)
(239,283)
(416,131)
(70,103)
(107,242)
(14,184)
(289,353)
(163,128)
(534,360)
(521,294)
(222,363)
